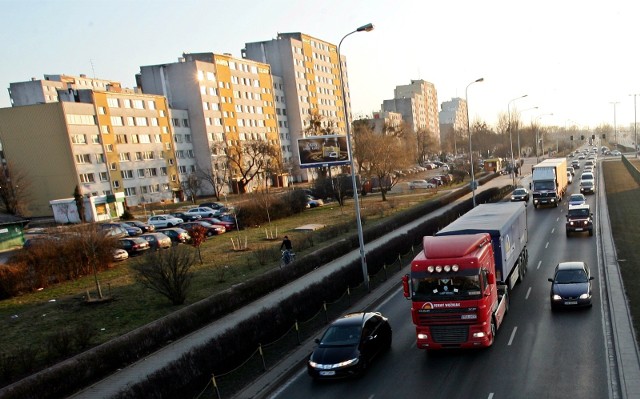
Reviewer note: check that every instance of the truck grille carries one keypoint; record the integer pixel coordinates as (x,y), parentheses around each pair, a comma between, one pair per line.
(450,334)
(544,195)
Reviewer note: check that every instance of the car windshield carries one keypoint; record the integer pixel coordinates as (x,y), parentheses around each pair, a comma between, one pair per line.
(571,276)
(341,335)
(578,212)
(586,183)
(544,185)
(576,198)
(519,191)
(441,287)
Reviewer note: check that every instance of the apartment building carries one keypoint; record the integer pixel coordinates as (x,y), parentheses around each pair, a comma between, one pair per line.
(41,91)
(453,122)
(418,104)
(310,73)
(103,141)
(229,101)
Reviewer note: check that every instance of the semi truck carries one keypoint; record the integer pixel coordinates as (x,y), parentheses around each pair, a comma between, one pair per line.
(459,283)
(549,182)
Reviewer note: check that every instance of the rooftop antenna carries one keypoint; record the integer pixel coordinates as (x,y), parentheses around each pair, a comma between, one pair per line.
(92,68)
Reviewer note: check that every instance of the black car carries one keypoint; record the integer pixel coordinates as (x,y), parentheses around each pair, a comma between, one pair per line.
(186,217)
(145,227)
(177,235)
(520,194)
(133,245)
(349,344)
(212,205)
(571,285)
(211,229)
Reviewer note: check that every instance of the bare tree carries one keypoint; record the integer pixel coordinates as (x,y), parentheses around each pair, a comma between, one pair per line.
(250,159)
(14,189)
(167,272)
(425,143)
(191,186)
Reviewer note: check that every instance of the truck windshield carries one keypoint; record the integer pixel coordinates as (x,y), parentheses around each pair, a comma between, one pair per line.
(544,185)
(443,287)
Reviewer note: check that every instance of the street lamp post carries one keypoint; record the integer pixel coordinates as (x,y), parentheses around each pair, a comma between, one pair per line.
(473,176)
(365,274)
(537,139)
(635,125)
(513,163)
(615,129)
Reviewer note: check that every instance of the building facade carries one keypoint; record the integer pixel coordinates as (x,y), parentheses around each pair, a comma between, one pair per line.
(453,121)
(310,73)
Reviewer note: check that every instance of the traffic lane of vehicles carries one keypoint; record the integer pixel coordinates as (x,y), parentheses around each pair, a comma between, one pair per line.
(527,341)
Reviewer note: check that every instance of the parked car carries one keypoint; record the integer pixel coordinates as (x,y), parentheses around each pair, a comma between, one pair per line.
(145,227)
(132,231)
(120,254)
(520,194)
(113,230)
(571,285)
(577,199)
(228,225)
(229,221)
(418,184)
(160,221)
(616,153)
(212,205)
(157,240)
(212,230)
(203,211)
(349,345)
(178,235)
(185,217)
(133,245)
(579,219)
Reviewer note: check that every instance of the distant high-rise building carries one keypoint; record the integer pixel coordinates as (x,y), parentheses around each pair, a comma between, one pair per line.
(418,104)
(229,101)
(453,121)
(311,83)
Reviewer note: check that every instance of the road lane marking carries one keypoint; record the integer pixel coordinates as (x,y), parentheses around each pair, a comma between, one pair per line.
(528,292)
(558,218)
(490,395)
(553,230)
(546,246)
(539,263)
(513,334)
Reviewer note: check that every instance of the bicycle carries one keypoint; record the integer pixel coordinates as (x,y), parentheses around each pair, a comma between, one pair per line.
(287,257)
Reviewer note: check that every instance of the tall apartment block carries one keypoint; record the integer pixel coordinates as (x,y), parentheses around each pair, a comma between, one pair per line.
(418,104)
(453,121)
(228,100)
(104,140)
(309,69)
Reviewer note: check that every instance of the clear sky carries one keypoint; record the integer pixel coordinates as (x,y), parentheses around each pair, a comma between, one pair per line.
(571,58)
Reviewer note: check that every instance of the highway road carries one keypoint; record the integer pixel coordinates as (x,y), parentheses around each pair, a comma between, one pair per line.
(537,353)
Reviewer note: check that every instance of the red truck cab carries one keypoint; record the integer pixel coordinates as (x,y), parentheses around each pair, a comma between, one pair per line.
(456,302)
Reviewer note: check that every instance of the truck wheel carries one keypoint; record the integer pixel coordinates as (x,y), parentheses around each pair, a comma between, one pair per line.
(493,331)
(590,233)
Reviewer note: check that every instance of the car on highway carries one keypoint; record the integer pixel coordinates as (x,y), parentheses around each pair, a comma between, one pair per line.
(571,170)
(157,240)
(570,285)
(587,186)
(160,221)
(418,184)
(520,194)
(134,245)
(577,199)
(349,345)
(581,156)
(569,177)
(579,219)
(575,164)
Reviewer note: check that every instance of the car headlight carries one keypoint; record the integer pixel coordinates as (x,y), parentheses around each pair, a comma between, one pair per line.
(346,363)
(556,297)
(570,223)
(512,197)
(584,296)
(553,200)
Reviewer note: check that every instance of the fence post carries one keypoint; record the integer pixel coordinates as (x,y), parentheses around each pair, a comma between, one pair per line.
(264,364)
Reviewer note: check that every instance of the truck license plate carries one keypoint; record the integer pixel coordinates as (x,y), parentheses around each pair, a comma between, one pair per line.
(571,302)
(325,373)
(578,229)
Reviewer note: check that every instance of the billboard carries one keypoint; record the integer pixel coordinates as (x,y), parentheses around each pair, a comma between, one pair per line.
(319,151)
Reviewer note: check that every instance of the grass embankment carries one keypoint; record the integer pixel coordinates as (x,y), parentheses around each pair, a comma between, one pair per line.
(32,320)
(624,211)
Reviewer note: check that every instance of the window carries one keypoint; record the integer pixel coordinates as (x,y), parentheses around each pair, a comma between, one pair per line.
(138,156)
(190,154)
(180,154)
(104,176)
(102,110)
(127,103)
(83,158)
(163,171)
(141,121)
(131,121)
(138,104)
(79,139)
(100,158)
(154,121)
(129,191)
(127,174)
(104,129)
(187,138)
(117,121)
(87,178)
(152,104)
(147,155)
(121,139)
(185,122)
(182,169)
(144,138)
(112,102)
(125,156)
(151,172)
(116,184)
(95,139)
(113,166)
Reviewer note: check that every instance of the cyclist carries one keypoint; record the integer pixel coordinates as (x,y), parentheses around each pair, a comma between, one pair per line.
(286,253)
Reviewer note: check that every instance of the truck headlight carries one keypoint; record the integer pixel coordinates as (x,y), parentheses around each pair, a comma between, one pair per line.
(422,336)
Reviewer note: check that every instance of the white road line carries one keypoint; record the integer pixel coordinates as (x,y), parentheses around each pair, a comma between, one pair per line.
(539,263)
(558,218)
(546,246)
(513,334)
(553,230)
(528,292)
(490,395)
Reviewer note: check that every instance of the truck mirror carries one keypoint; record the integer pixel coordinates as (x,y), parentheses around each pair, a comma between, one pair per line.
(492,278)
(405,286)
